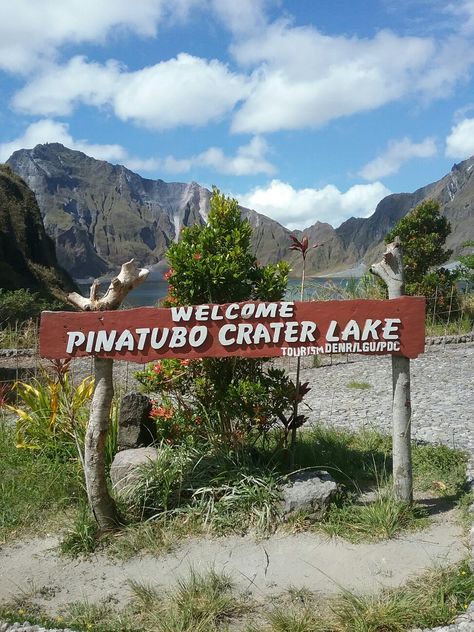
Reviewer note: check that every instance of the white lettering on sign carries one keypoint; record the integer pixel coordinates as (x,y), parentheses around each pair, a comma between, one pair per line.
(273,328)
(352,330)
(201,313)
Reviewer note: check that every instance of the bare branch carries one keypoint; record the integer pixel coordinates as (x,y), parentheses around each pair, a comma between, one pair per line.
(390,269)
(128,278)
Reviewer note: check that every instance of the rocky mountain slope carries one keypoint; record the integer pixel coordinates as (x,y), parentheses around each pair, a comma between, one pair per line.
(101,214)
(27,254)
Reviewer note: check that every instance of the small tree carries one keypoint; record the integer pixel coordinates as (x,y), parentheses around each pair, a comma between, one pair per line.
(423,233)
(215,264)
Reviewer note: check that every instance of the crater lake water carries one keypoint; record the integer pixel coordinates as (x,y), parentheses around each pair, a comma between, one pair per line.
(155,288)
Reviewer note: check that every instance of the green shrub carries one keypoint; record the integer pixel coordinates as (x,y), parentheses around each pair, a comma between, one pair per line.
(235,396)
(22,305)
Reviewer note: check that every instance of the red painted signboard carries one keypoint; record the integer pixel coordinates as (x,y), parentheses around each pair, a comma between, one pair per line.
(249,329)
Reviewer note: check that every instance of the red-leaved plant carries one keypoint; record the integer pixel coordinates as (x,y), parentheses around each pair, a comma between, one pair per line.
(300,389)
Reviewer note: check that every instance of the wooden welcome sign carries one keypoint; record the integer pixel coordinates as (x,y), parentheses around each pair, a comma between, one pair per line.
(250,329)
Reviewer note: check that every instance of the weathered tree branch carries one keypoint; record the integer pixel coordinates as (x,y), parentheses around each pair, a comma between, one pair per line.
(129,278)
(101,503)
(390,270)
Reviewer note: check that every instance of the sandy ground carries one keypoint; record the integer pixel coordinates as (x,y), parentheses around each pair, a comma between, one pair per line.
(34,569)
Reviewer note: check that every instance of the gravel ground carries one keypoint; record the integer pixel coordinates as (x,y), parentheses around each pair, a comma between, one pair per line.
(442,388)
(442,408)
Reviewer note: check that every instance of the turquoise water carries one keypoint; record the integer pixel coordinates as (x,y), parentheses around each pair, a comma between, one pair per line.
(156,288)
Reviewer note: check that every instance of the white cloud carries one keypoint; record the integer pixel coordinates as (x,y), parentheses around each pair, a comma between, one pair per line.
(49,131)
(397,153)
(248,160)
(460,142)
(300,208)
(31,31)
(305,78)
(61,88)
(344,76)
(185,90)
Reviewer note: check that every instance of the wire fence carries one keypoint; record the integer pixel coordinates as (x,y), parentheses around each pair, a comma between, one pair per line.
(19,343)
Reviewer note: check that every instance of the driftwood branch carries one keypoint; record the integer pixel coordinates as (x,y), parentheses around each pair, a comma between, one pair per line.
(129,278)
(101,503)
(391,271)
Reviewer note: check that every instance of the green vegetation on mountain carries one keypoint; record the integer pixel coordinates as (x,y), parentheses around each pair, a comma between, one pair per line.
(27,254)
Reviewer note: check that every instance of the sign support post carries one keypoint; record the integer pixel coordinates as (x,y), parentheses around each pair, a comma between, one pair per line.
(101,503)
(391,271)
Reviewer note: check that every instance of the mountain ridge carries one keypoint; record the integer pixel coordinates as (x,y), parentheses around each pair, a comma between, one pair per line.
(101,214)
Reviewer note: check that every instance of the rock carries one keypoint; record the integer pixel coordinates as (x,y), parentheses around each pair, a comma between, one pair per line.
(124,470)
(136,429)
(309,491)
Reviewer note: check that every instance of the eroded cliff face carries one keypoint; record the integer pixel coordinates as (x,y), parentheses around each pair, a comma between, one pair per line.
(27,254)
(100,215)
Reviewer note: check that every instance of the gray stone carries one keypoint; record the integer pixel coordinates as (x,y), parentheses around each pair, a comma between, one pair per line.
(124,470)
(136,429)
(309,491)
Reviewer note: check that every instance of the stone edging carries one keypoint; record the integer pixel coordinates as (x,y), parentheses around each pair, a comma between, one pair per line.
(449,340)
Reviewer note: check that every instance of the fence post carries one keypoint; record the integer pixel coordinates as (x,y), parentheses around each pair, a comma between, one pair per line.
(390,270)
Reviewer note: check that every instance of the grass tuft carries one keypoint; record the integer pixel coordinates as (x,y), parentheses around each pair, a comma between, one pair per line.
(360,385)
(380,519)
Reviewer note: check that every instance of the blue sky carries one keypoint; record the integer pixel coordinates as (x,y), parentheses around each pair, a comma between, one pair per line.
(305,110)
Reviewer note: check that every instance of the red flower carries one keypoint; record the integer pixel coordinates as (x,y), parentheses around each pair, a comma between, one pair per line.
(197,256)
(169,274)
(185,362)
(162,411)
(157,368)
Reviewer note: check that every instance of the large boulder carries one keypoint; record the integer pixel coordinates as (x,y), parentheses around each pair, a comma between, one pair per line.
(309,491)
(125,468)
(136,429)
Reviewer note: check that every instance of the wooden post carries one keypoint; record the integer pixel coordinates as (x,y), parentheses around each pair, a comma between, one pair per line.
(390,270)
(101,503)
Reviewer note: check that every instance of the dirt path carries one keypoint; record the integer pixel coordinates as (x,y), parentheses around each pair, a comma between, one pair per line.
(265,567)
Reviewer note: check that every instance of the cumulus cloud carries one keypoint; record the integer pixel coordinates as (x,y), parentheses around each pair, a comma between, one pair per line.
(460,142)
(397,153)
(300,208)
(248,160)
(49,131)
(346,75)
(31,31)
(185,90)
